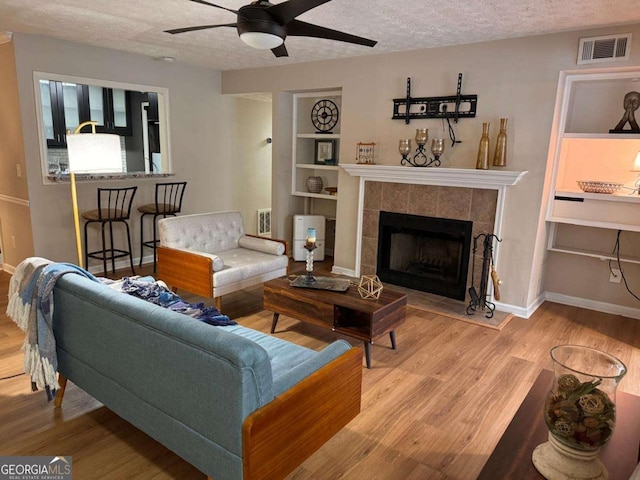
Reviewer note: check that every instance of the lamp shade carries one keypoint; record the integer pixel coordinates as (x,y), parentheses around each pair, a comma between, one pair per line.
(636,163)
(261,40)
(94,153)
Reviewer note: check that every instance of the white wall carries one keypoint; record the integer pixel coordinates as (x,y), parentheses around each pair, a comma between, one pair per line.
(15,226)
(202,137)
(514,78)
(251,158)
(284,205)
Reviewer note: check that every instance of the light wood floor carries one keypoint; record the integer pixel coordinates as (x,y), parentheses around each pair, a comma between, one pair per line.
(433,409)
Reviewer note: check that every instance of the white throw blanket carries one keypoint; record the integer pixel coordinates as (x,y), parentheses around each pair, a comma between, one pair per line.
(31,308)
(23,291)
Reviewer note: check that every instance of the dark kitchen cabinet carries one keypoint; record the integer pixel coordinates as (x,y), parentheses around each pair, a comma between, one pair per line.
(152,110)
(153,123)
(110,107)
(61,107)
(65,105)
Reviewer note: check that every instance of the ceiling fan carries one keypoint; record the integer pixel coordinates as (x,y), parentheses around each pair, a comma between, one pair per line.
(264,25)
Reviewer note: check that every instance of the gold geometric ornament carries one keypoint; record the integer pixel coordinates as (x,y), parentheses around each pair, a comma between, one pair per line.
(370,287)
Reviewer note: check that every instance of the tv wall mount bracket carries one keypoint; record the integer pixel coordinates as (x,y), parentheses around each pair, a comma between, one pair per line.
(454,106)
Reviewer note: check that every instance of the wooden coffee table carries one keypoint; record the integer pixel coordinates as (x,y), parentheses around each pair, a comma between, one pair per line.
(342,312)
(511,459)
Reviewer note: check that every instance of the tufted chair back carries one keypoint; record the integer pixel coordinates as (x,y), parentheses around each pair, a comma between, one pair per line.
(202,232)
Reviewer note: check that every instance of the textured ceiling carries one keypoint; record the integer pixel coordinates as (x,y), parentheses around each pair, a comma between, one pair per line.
(138,26)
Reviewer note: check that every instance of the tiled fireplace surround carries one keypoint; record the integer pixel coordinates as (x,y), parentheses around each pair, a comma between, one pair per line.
(474,204)
(461,194)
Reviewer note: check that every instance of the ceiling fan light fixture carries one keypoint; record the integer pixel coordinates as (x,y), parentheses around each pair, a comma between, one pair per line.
(261,40)
(265,26)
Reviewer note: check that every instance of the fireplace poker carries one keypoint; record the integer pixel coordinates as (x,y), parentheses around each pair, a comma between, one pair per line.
(479,299)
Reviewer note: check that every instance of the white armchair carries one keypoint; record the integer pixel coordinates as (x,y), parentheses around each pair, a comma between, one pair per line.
(210,255)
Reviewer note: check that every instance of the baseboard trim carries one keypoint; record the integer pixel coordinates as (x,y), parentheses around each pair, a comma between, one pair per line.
(603,307)
(343,271)
(10,269)
(123,264)
(522,312)
(16,200)
(95,269)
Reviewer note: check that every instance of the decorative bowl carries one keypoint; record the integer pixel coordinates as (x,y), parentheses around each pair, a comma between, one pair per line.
(592,186)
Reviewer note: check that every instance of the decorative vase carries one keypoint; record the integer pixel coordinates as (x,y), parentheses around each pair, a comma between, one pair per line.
(579,412)
(314,184)
(483,149)
(500,155)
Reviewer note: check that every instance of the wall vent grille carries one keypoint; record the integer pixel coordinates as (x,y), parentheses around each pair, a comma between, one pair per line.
(264,222)
(610,48)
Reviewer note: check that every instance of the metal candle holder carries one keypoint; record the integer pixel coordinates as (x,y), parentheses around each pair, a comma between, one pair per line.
(310,246)
(420,159)
(309,278)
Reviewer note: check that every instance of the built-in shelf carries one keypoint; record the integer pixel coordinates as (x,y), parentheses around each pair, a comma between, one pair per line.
(305,145)
(560,246)
(312,166)
(316,195)
(583,149)
(593,254)
(604,136)
(618,211)
(319,136)
(625,196)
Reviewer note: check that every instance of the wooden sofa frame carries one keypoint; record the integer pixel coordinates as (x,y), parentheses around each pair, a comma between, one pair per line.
(278,437)
(198,278)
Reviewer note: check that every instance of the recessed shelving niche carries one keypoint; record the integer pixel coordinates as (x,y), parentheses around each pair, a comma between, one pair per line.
(304,145)
(589,105)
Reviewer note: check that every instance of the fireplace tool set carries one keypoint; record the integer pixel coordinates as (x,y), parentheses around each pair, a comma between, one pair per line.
(479,298)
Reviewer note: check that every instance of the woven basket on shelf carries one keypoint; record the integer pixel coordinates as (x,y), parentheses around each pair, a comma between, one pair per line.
(592,186)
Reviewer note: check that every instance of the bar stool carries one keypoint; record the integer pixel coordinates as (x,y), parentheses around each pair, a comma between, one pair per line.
(168,202)
(114,206)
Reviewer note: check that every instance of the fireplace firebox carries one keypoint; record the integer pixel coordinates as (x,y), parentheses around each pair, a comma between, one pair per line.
(424,253)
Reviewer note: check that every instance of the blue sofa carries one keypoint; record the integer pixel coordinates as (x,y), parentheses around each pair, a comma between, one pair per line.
(232,401)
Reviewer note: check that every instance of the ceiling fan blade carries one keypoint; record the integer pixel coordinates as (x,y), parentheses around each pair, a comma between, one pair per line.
(303,29)
(200,27)
(214,5)
(280,51)
(287,11)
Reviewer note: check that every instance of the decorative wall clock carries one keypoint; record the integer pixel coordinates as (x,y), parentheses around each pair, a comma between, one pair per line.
(324,115)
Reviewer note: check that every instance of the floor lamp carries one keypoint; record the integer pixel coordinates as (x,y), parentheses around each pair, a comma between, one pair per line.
(90,153)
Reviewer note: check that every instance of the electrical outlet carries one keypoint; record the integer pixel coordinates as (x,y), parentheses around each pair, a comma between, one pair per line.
(13,241)
(615,276)
(18,170)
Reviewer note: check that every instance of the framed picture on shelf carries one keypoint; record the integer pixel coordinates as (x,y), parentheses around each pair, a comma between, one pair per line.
(325,152)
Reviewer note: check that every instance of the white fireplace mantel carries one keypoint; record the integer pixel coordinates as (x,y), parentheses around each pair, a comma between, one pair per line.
(447,177)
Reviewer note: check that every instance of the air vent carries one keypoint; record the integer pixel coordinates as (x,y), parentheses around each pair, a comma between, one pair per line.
(264,222)
(610,48)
